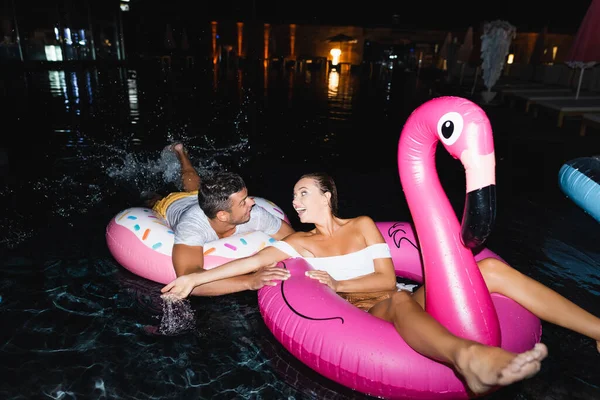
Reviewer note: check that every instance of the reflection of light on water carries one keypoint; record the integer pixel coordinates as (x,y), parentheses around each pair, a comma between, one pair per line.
(72,139)
(88,85)
(333,83)
(265,73)
(58,84)
(75,90)
(67,89)
(339,95)
(132,94)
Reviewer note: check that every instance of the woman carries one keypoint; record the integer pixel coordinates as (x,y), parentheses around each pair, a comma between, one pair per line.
(372,286)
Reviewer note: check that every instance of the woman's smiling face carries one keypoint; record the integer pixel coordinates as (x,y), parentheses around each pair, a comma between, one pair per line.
(309,201)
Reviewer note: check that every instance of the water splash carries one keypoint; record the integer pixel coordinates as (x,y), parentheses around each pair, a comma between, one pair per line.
(145,173)
(93,168)
(14,232)
(178,316)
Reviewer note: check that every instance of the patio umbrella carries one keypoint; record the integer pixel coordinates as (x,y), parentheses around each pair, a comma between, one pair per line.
(341,38)
(537,56)
(444,50)
(465,49)
(495,43)
(464,52)
(585,51)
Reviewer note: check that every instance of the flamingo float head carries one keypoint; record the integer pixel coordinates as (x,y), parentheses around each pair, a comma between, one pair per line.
(463,128)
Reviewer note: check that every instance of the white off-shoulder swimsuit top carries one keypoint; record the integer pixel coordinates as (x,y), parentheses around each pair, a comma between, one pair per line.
(343,267)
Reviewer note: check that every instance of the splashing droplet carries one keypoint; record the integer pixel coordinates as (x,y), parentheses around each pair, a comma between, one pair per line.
(178,316)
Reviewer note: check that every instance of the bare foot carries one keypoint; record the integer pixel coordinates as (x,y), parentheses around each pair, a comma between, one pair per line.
(485,367)
(177,148)
(189,176)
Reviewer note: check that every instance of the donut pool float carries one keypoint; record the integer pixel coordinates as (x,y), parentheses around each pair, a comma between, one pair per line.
(141,241)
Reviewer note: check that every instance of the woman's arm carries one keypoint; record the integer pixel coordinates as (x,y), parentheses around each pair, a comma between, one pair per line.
(183,285)
(265,276)
(384,276)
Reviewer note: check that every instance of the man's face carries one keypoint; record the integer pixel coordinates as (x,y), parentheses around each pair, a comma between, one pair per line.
(241,205)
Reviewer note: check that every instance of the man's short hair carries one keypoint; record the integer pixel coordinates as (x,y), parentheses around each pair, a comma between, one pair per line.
(215,191)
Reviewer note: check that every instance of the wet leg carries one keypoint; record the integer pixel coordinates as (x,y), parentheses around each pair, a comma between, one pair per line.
(483,367)
(542,301)
(189,175)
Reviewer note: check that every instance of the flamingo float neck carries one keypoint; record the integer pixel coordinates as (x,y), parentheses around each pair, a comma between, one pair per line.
(456,294)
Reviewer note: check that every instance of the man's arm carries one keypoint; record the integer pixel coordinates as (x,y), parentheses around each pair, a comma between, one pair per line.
(283,231)
(190,259)
(187,259)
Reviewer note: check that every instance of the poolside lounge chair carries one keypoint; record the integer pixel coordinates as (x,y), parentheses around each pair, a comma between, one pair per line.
(591,119)
(547,78)
(532,97)
(568,107)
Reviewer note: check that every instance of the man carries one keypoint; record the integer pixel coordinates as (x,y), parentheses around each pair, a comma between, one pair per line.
(208,210)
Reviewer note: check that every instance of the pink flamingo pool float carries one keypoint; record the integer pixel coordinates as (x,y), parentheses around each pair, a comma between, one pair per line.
(365,353)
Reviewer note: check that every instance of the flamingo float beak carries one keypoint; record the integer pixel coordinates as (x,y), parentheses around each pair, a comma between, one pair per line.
(479,216)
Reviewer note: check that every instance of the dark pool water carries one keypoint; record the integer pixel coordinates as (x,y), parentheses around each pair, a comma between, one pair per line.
(79,145)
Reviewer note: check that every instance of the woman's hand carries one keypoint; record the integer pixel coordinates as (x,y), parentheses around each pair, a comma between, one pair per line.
(180,287)
(267,276)
(324,278)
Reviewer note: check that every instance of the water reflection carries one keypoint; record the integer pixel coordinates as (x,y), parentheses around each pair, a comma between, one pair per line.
(73,138)
(75,89)
(332,84)
(132,96)
(88,85)
(340,95)
(265,74)
(58,84)
(66,85)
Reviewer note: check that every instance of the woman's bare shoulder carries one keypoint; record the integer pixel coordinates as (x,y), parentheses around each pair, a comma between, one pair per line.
(301,234)
(298,238)
(362,221)
(298,241)
(366,227)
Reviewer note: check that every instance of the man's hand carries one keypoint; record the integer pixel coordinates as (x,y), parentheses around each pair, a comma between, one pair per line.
(267,276)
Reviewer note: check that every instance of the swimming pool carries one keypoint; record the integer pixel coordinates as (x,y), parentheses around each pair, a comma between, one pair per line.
(77,325)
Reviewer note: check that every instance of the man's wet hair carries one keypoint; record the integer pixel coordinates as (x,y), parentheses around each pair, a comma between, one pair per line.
(215,191)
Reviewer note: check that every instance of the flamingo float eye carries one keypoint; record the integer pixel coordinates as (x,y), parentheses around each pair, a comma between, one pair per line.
(450,127)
